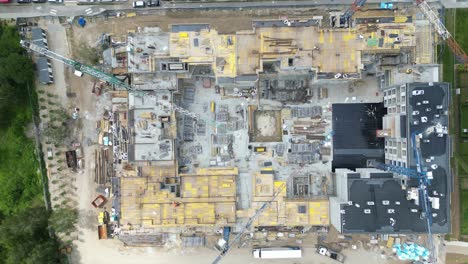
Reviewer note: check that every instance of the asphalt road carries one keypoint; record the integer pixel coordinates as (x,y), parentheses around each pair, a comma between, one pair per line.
(70,7)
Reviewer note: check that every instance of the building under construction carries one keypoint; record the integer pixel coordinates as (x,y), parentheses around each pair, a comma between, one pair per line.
(221,125)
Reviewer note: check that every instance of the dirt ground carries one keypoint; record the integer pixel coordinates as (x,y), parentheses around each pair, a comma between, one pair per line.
(457,252)
(453,258)
(221,20)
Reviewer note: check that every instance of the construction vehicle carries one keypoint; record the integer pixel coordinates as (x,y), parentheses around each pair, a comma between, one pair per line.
(81,69)
(324,251)
(259,149)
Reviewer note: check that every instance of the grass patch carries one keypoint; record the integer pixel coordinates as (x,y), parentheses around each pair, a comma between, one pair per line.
(464,212)
(456,21)
(20,180)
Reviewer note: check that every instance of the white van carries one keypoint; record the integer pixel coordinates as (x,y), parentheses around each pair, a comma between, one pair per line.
(138,4)
(277,253)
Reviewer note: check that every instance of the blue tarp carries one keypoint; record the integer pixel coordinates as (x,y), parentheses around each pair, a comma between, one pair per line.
(411,251)
(81,22)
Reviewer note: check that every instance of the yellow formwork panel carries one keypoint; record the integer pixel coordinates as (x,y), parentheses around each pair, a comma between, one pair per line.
(278,185)
(319,213)
(350,35)
(401,19)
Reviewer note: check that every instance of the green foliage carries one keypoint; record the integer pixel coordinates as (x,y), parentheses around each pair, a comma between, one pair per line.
(464,212)
(456,21)
(24,234)
(16,75)
(60,115)
(25,237)
(19,180)
(87,54)
(64,220)
(56,133)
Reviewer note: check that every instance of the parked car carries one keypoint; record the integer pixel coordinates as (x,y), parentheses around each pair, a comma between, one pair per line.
(139,4)
(24,1)
(39,1)
(55,1)
(151,3)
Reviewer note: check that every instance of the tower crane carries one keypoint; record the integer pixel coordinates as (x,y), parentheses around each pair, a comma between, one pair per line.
(250,221)
(81,68)
(355,6)
(433,18)
(423,179)
(442,31)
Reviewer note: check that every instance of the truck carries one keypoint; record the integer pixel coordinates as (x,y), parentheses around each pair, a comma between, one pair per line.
(277,253)
(324,251)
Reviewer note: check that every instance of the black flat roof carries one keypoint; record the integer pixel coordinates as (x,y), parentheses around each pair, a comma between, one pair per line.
(389,210)
(354,140)
(380,193)
(435,150)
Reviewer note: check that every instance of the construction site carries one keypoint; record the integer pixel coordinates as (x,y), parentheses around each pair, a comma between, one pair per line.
(282,133)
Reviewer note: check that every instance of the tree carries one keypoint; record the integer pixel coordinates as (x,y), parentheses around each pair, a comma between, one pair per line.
(57,133)
(63,220)
(16,75)
(59,115)
(24,238)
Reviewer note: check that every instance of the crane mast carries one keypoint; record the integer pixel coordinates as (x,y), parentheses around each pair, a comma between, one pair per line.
(442,31)
(423,183)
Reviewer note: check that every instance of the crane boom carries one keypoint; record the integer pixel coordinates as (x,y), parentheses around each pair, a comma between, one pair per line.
(442,31)
(354,7)
(76,65)
(250,221)
(96,73)
(423,183)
